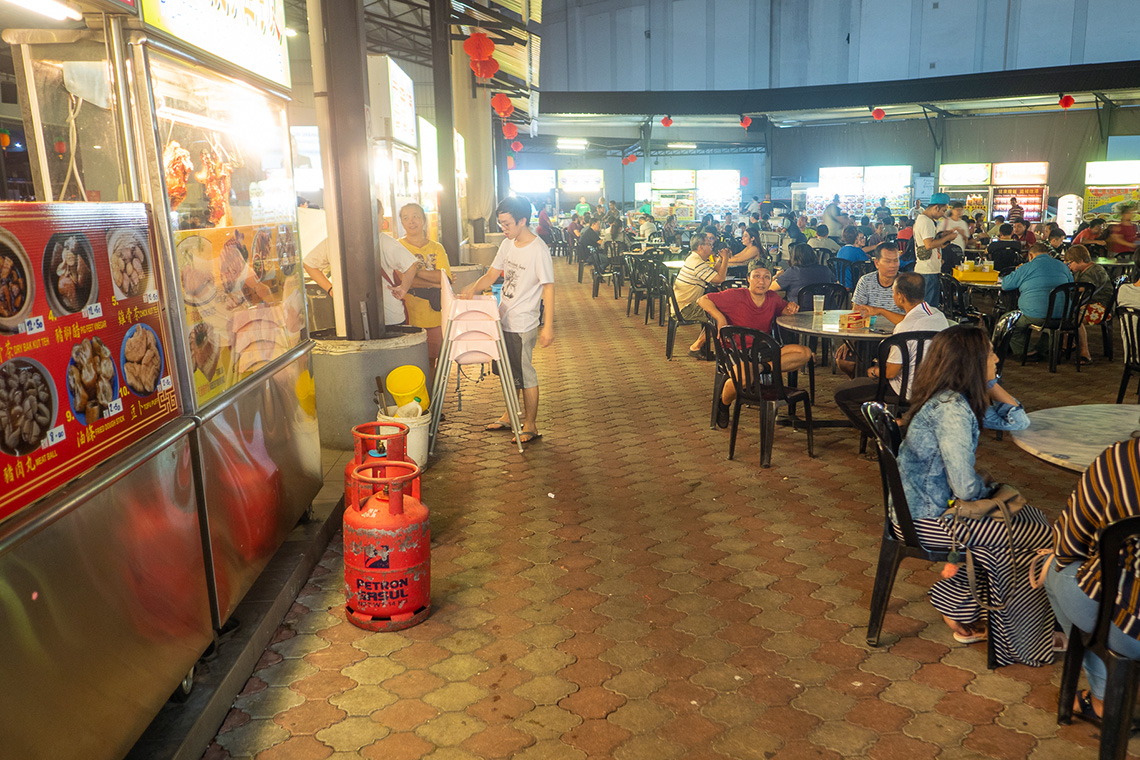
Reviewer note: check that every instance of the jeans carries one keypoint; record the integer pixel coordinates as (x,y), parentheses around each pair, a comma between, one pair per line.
(1073,607)
(1021,333)
(933,289)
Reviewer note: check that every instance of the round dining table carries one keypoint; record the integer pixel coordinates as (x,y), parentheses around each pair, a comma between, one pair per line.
(826,325)
(1073,436)
(1111,264)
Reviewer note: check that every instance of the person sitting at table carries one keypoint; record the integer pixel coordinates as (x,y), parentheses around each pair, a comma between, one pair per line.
(748,254)
(956,393)
(1056,243)
(824,245)
(805,270)
(909,295)
(1092,235)
(615,233)
(1005,252)
(669,230)
(591,236)
(1085,270)
(1022,232)
(1107,492)
(999,220)
(694,276)
(648,226)
(574,229)
(755,307)
(874,297)
(1035,279)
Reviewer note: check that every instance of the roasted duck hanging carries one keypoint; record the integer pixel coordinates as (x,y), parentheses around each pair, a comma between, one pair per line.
(177,165)
(215,176)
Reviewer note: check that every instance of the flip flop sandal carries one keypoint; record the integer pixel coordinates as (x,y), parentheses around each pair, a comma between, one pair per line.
(528,437)
(972,638)
(498,426)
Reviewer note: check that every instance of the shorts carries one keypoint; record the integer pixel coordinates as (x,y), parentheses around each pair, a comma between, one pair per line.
(693,312)
(520,349)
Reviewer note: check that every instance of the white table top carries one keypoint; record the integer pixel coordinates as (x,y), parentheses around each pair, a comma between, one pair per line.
(1073,436)
(827,325)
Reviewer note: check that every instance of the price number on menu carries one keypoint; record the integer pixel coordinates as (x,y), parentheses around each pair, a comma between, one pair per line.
(165,383)
(151,296)
(115,407)
(33,325)
(93,311)
(54,436)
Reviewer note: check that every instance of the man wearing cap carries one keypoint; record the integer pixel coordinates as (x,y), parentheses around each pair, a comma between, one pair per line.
(928,243)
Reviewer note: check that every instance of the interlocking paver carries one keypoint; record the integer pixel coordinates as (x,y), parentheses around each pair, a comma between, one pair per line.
(666,603)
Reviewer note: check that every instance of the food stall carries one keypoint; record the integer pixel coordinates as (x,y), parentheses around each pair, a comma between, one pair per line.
(1027,181)
(534,184)
(718,192)
(156,349)
(859,189)
(394,139)
(673,191)
(1109,183)
(576,183)
(891,182)
(968,183)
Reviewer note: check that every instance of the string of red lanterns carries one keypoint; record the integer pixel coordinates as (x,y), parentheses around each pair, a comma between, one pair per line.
(877,114)
(745,121)
(667,121)
(510,131)
(479,47)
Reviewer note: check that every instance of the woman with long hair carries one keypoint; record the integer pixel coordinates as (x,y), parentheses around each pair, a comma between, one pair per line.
(805,270)
(956,392)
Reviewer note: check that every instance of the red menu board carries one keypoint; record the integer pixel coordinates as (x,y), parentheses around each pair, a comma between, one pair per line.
(84,355)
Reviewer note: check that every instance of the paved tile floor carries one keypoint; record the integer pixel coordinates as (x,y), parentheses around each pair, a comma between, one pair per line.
(621,590)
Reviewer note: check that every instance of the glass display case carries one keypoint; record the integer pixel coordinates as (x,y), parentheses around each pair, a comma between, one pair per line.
(232,214)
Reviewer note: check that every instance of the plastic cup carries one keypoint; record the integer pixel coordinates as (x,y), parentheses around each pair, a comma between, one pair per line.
(817,304)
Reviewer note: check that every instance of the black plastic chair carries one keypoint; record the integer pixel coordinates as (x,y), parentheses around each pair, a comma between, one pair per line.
(835,297)
(1107,324)
(851,271)
(638,282)
(720,370)
(911,347)
(675,318)
(659,290)
(752,359)
(1126,317)
(603,271)
(1002,335)
(1072,297)
(1123,672)
(892,550)
(955,301)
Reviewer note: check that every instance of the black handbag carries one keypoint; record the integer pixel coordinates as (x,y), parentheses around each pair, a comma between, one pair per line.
(431,295)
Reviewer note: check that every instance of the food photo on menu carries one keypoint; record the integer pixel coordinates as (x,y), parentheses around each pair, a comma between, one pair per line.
(28,406)
(127,255)
(17,290)
(92,382)
(68,270)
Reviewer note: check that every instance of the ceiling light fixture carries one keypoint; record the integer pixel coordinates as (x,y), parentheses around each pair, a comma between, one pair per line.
(50,8)
(572,143)
(683,146)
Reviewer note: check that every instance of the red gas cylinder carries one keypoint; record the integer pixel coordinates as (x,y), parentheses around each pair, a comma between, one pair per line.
(387,549)
(370,443)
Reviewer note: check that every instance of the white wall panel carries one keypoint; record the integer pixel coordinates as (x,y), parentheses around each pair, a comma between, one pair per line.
(556,76)
(1042,38)
(731,53)
(1113,31)
(689,50)
(792,55)
(884,41)
(630,72)
(596,45)
(947,37)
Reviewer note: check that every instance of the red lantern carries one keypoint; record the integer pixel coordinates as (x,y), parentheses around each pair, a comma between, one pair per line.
(745,121)
(667,121)
(501,103)
(878,114)
(484,69)
(5,139)
(60,147)
(1066,102)
(516,146)
(510,162)
(744,181)
(479,47)
(633,158)
(510,131)
(625,160)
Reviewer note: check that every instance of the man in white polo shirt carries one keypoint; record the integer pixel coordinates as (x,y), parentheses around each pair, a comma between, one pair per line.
(920,316)
(527,270)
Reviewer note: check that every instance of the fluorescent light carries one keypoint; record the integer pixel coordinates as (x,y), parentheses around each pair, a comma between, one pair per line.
(50,8)
(572,143)
(683,146)
(290,32)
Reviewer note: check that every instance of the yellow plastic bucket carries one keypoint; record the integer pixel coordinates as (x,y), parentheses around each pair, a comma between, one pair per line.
(406,384)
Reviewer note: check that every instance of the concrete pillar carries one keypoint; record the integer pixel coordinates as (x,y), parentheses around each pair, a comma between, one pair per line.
(449,229)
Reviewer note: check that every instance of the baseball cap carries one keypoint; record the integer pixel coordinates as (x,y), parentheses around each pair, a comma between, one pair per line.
(939,199)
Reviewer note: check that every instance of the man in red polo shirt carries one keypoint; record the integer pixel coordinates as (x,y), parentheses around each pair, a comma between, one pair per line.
(756,307)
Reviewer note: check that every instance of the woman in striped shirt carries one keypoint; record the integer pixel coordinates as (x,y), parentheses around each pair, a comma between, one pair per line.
(1106,493)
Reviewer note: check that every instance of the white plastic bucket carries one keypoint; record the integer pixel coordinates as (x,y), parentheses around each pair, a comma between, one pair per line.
(418,429)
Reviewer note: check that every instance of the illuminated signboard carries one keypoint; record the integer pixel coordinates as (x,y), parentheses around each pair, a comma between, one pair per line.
(963,175)
(247,33)
(673,179)
(402,102)
(1021,173)
(642,191)
(841,178)
(532,180)
(1112,173)
(580,180)
(886,177)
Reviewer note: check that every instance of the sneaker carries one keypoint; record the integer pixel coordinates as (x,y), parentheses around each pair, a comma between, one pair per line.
(721,415)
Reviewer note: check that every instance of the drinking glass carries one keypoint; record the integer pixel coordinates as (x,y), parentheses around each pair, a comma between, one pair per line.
(817,304)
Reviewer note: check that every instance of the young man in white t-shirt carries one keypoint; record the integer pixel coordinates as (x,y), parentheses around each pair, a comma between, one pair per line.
(524,263)
(928,243)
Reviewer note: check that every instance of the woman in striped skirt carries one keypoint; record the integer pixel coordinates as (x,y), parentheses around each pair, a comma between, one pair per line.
(956,392)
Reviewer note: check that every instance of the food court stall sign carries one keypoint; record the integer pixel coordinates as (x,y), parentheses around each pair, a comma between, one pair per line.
(532,182)
(844,181)
(968,183)
(718,192)
(247,33)
(674,191)
(1109,183)
(1024,180)
(890,182)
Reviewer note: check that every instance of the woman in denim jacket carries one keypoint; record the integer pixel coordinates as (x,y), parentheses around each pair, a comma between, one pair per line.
(956,392)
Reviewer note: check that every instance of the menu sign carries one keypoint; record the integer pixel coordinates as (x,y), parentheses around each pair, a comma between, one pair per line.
(83,347)
(1112,173)
(244,300)
(1103,200)
(1021,173)
(248,33)
(963,175)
